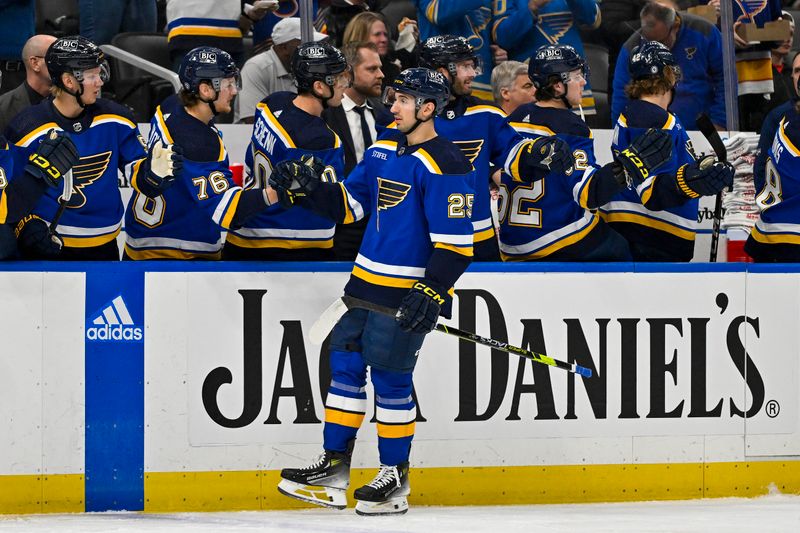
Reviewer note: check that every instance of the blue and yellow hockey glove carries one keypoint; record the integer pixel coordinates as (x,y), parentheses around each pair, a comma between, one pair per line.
(294,179)
(54,157)
(543,156)
(643,156)
(706,177)
(419,310)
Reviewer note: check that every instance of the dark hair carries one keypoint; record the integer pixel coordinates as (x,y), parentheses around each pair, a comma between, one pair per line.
(659,12)
(351,51)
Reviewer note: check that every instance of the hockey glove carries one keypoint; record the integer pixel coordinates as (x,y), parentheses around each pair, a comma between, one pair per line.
(645,154)
(55,156)
(35,241)
(419,310)
(545,155)
(293,179)
(164,165)
(706,177)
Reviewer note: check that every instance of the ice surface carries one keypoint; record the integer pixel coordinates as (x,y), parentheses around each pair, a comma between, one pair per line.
(769,514)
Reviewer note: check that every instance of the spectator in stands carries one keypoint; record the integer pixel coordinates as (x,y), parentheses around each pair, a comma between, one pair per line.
(620,20)
(511,86)
(770,125)
(101,20)
(269,72)
(217,23)
(522,26)
(470,19)
(16,27)
(37,80)
(371,27)
(358,121)
(262,29)
(697,47)
(333,20)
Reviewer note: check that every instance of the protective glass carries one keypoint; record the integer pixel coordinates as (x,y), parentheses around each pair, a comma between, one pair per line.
(343,80)
(230,84)
(470,67)
(390,96)
(104,74)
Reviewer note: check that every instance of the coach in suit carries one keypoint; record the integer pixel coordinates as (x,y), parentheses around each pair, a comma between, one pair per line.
(358,122)
(37,80)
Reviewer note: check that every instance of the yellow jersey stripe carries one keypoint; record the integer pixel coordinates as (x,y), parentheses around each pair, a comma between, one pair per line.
(396,431)
(785,139)
(3,207)
(135,175)
(89,242)
(351,420)
(230,212)
(660,225)
(774,238)
(276,125)
(25,141)
(162,124)
(558,245)
(168,253)
(349,218)
(113,118)
(461,250)
(277,243)
(211,31)
(433,166)
(483,235)
(385,281)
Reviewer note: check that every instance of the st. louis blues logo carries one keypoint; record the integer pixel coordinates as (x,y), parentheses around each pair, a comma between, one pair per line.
(391,193)
(554,25)
(470,149)
(88,170)
(750,8)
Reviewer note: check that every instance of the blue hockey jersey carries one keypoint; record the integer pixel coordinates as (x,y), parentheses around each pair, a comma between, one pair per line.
(480,130)
(776,234)
(549,215)
(655,215)
(108,142)
(283,131)
(556,22)
(187,220)
(6,172)
(698,51)
(418,198)
(470,19)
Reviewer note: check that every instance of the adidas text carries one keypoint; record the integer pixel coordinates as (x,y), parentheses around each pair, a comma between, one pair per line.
(117,332)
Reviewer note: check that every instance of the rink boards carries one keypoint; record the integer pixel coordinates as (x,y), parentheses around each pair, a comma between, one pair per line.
(185,386)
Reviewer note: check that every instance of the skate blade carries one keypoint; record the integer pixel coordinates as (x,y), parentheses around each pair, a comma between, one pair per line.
(323,496)
(393,506)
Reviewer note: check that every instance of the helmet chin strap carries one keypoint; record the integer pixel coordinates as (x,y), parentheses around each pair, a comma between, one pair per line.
(323,99)
(563,97)
(211,103)
(77,94)
(417,122)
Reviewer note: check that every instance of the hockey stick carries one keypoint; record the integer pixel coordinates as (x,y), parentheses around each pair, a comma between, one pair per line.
(63,200)
(712,136)
(325,323)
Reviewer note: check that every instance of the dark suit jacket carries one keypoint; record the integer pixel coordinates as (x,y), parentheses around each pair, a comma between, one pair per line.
(347,239)
(11,103)
(334,117)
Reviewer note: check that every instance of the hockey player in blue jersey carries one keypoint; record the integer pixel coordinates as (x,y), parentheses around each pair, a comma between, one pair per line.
(288,126)
(555,218)
(658,217)
(182,208)
(415,185)
(20,191)
(107,140)
(479,129)
(775,237)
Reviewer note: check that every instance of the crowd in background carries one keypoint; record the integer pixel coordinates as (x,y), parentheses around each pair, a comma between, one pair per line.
(381,38)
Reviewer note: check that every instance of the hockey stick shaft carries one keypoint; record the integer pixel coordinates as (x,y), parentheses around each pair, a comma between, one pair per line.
(63,200)
(574,368)
(712,136)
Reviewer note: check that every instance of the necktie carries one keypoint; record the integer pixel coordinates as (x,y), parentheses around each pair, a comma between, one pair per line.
(364,126)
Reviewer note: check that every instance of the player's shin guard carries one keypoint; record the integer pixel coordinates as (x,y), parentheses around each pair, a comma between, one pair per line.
(346,402)
(396,413)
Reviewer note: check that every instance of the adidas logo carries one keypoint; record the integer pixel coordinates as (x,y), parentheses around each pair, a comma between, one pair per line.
(114,324)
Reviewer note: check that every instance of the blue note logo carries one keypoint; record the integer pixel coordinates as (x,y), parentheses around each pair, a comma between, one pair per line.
(114,323)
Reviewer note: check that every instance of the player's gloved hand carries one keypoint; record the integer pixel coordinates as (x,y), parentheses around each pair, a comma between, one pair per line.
(545,155)
(645,154)
(419,310)
(706,177)
(164,165)
(35,241)
(293,179)
(55,156)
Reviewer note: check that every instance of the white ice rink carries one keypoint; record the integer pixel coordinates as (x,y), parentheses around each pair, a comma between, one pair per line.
(770,514)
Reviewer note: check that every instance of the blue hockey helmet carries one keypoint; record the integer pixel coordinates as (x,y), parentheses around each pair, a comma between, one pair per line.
(650,60)
(317,61)
(553,63)
(206,64)
(73,55)
(425,85)
(446,51)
